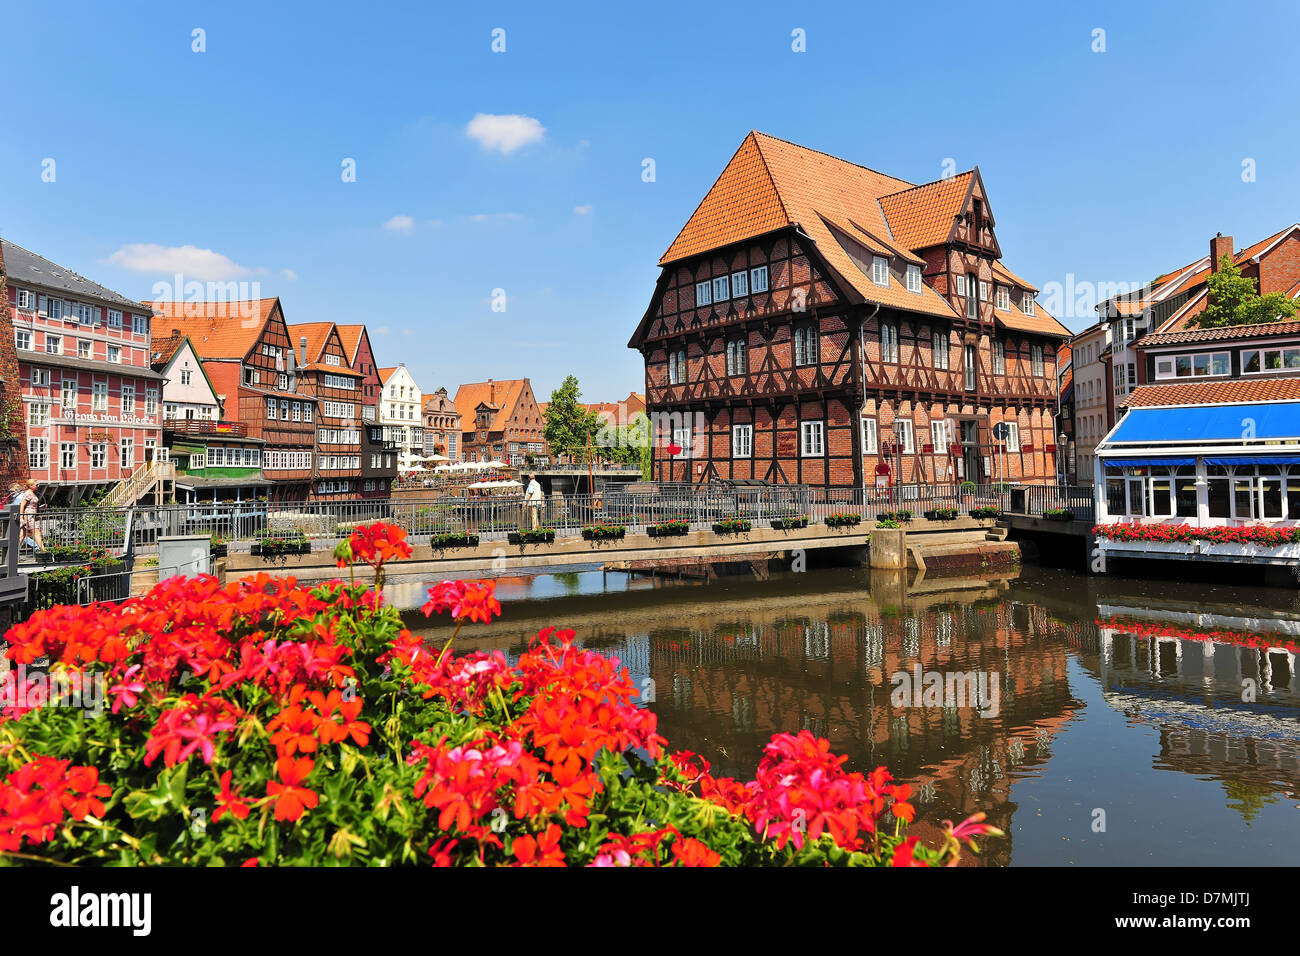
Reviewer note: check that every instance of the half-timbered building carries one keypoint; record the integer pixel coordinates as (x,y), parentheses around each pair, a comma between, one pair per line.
(250,359)
(818,322)
(324,371)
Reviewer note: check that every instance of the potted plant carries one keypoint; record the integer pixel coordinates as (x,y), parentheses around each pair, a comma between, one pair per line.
(670,528)
(604,532)
(985,511)
(1058,514)
(218,547)
(732,525)
(273,544)
(790,521)
(531,536)
(941,514)
(453,539)
(896,516)
(842,519)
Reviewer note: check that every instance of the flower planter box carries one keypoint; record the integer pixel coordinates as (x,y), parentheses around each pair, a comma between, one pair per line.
(731,527)
(842,521)
(266,550)
(606,534)
(941,514)
(218,550)
(785,524)
(453,539)
(667,531)
(988,511)
(1063,514)
(531,537)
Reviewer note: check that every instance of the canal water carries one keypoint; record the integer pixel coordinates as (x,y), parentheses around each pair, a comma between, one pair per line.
(1098,721)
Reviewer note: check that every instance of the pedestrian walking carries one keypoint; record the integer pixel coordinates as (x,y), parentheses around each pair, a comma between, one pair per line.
(533,498)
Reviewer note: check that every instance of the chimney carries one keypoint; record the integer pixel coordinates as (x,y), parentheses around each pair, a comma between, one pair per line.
(1220,246)
(302,345)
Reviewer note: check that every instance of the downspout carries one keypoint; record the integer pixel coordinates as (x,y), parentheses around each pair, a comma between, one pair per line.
(857,415)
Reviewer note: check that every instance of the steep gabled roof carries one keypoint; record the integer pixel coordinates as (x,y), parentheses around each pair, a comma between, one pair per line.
(501,395)
(317,335)
(217,329)
(350,336)
(1041,322)
(849,212)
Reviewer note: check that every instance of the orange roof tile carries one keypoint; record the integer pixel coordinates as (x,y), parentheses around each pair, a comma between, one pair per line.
(351,338)
(1040,323)
(316,334)
(923,215)
(386,373)
(771,184)
(217,329)
(501,395)
(1232,392)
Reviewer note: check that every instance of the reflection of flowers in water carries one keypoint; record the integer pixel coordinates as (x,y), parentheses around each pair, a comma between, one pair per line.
(925,792)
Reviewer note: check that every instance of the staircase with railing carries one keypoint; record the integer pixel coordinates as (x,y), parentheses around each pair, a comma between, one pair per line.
(158,477)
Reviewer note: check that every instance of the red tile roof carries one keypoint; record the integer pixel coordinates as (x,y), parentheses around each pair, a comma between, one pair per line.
(316,334)
(923,215)
(1222,333)
(217,329)
(502,395)
(1233,392)
(351,337)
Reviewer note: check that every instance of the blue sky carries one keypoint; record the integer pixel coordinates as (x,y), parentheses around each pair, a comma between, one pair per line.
(1109,166)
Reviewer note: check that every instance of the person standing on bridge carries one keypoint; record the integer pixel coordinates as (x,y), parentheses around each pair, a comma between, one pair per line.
(533,498)
(28,504)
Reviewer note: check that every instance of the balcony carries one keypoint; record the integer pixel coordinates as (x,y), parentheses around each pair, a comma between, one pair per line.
(200,426)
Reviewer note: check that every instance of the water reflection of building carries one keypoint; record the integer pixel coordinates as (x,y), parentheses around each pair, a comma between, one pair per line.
(1223,710)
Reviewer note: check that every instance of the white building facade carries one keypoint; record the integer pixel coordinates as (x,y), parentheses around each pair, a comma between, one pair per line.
(400,405)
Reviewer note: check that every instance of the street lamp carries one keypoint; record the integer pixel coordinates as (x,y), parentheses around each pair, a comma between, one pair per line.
(1061,439)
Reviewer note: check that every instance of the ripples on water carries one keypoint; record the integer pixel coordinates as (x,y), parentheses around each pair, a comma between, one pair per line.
(1106,723)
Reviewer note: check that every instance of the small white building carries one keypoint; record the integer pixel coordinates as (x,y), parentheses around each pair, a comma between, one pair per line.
(187,391)
(400,404)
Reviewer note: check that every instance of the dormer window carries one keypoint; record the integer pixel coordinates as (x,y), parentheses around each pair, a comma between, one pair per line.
(880,270)
(1002,300)
(914,278)
(1027,304)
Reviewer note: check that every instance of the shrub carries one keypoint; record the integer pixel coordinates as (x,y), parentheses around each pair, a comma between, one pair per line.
(885,522)
(264,723)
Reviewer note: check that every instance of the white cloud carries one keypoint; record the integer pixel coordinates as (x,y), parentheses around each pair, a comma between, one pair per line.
(289,274)
(382,330)
(494,217)
(583,210)
(403,224)
(504,133)
(191,261)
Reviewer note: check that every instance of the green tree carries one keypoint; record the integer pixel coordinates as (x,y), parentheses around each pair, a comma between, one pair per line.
(567,422)
(1233,299)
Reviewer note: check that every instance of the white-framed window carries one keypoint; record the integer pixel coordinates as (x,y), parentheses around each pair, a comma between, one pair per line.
(99,396)
(38,414)
(151,403)
(758,279)
(1211,364)
(970,368)
(740,283)
(869,436)
(306,411)
(939,347)
(139,325)
(812,439)
(115,354)
(114,318)
(38,453)
(972,306)
(905,435)
(128,399)
(85,314)
(888,342)
(69,392)
(128,452)
(721,289)
(807,346)
(67,454)
(939,437)
(27,300)
(198,462)
(1002,299)
(23,339)
(54,308)
(1027,304)
(999,357)
(913,278)
(40,377)
(742,441)
(961,285)
(333,360)
(284,409)
(83,348)
(54,344)
(1013,437)
(297,411)
(1036,360)
(98,455)
(682,438)
(984,291)
(736,357)
(880,270)
(186,376)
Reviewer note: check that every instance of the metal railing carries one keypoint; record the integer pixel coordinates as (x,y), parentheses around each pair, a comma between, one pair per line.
(242,524)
